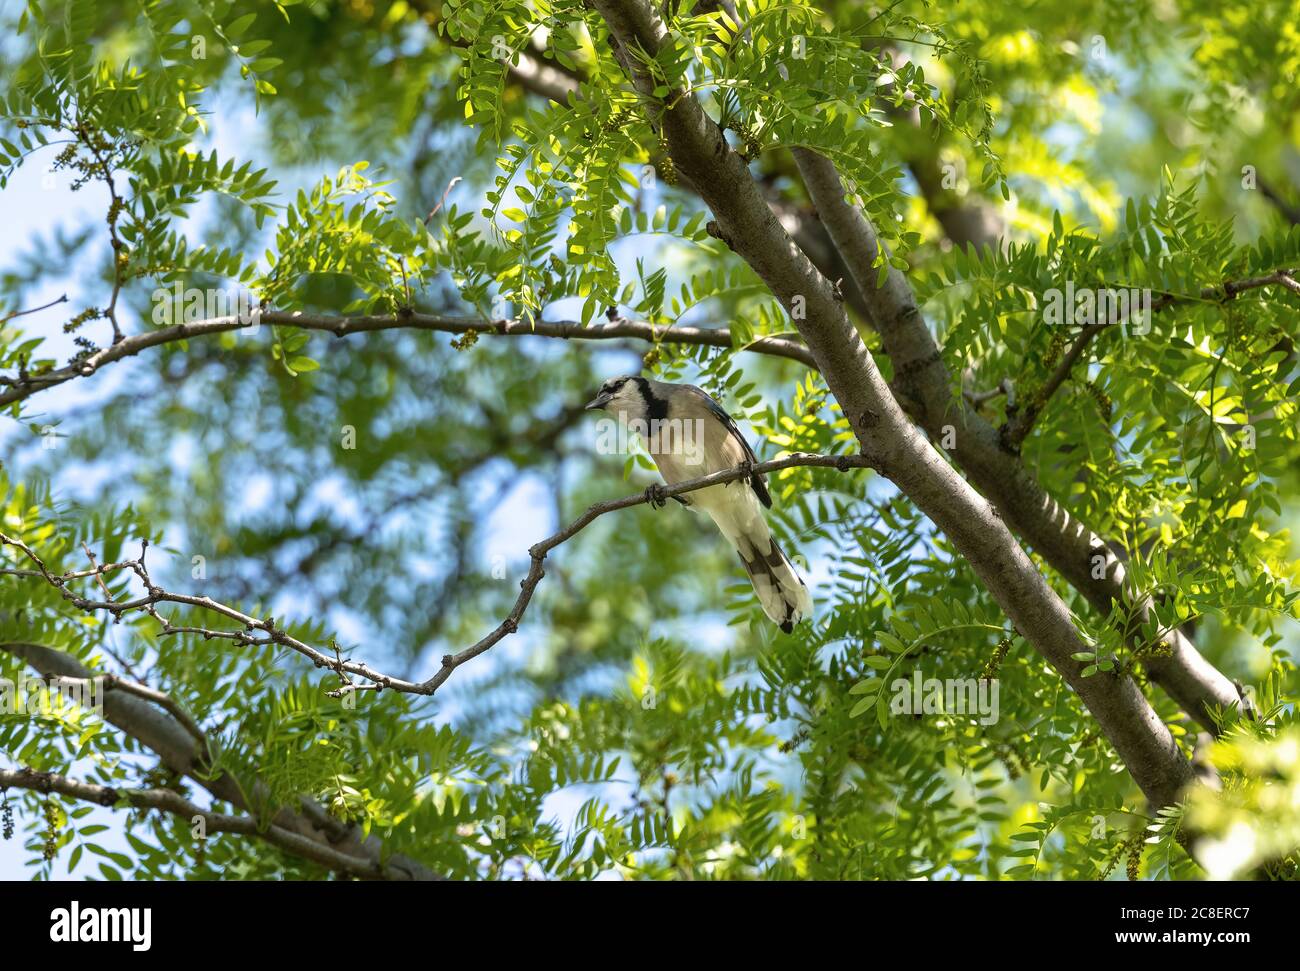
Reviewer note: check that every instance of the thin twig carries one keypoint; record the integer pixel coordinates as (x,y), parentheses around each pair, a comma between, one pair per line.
(446,192)
(1004,387)
(24,386)
(275,635)
(115,209)
(24,313)
(537,553)
(1022,423)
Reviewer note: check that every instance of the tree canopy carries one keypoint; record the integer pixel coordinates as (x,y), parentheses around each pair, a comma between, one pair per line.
(299,500)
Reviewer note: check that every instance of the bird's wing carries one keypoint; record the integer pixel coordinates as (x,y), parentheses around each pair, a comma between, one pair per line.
(756,481)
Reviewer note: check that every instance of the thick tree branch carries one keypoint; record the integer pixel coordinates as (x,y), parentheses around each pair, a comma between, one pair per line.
(527,67)
(113,682)
(167,801)
(923,384)
(541,77)
(311,832)
(965,221)
(895,447)
(1290,211)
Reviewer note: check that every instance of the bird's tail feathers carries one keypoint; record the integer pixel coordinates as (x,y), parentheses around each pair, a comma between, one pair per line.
(781,591)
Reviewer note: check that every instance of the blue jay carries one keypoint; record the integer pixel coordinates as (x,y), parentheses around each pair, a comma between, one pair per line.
(689,435)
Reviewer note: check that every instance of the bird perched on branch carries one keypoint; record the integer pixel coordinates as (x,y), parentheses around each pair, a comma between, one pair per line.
(689,435)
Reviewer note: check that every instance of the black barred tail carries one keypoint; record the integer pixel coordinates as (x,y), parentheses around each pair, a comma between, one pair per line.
(781,591)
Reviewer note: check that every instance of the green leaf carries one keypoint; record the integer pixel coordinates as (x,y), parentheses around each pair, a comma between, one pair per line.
(890,642)
(235,29)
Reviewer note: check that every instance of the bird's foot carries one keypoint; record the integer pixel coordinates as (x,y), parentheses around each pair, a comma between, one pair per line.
(656,495)
(746,472)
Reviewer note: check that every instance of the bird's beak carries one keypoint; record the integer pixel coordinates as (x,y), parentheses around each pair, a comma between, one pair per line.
(600,401)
